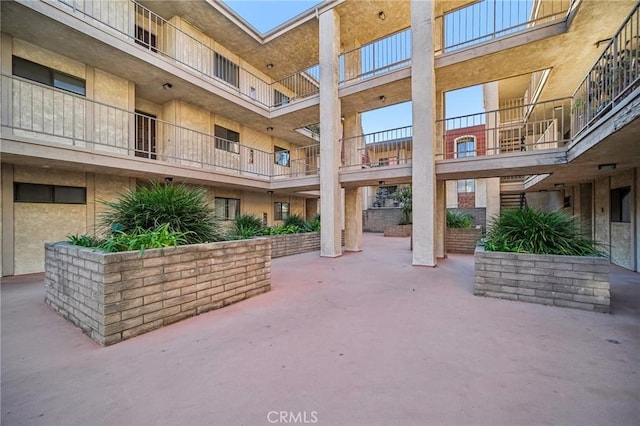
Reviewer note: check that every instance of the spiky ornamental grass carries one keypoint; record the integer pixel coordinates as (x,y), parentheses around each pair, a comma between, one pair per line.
(537,232)
(459,220)
(184,209)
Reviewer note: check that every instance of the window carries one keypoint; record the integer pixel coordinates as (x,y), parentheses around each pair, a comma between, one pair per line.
(466,146)
(226,70)
(146,39)
(41,74)
(281,156)
(145,135)
(38,193)
(227,208)
(621,204)
(227,140)
(281,211)
(466,186)
(280,98)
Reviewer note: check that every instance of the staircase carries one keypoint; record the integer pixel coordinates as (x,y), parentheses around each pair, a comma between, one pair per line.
(512,201)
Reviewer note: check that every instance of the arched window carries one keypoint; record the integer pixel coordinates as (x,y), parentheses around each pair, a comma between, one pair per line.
(465,146)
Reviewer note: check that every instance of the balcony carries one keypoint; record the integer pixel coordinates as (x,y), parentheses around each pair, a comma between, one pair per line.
(614,75)
(142,27)
(487,20)
(54,118)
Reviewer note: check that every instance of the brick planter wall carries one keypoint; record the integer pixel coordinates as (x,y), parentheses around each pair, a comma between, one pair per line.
(569,281)
(290,244)
(115,296)
(397,231)
(462,240)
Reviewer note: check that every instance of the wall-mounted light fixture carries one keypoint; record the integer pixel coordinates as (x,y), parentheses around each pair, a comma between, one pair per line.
(167,86)
(269,66)
(381,15)
(269,129)
(168,179)
(383,98)
(607,166)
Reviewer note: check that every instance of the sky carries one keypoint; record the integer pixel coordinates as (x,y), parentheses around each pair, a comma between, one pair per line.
(265,15)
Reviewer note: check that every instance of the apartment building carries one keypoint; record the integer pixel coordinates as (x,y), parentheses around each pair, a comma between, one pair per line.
(99,96)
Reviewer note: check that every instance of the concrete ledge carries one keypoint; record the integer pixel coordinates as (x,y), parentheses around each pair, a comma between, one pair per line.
(462,240)
(569,281)
(115,296)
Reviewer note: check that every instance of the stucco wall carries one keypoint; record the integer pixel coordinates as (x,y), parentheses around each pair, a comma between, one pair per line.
(601,219)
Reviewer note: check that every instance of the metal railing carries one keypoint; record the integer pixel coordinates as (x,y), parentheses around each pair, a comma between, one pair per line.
(154,33)
(304,161)
(58,117)
(392,147)
(615,74)
(378,57)
(545,125)
(381,201)
(486,20)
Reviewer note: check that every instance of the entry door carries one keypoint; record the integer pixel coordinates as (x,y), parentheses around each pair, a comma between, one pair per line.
(145,135)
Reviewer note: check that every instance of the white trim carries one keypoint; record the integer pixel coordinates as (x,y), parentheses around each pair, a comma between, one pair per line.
(457,140)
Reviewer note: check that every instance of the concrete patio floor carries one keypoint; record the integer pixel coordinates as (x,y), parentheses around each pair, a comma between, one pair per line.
(365,339)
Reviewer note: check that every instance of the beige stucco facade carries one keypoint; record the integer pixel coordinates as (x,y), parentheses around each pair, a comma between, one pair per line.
(192,67)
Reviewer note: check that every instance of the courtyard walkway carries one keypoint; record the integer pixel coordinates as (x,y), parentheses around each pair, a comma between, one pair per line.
(365,339)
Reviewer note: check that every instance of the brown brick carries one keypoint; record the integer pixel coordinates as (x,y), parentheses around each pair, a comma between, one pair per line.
(161,314)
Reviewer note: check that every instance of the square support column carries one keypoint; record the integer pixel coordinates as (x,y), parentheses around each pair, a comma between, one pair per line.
(424,102)
(353,219)
(330,135)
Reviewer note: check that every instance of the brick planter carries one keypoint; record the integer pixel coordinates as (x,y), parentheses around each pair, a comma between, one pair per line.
(290,244)
(115,296)
(462,240)
(397,230)
(568,281)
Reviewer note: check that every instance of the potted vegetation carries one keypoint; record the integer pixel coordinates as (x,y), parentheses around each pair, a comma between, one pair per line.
(541,257)
(403,196)
(161,258)
(461,235)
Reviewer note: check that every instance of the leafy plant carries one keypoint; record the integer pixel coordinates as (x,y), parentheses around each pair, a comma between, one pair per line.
(246,226)
(297,221)
(404,196)
(185,211)
(84,240)
(459,220)
(314,225)
(534,231)
(281,229)
(142,239)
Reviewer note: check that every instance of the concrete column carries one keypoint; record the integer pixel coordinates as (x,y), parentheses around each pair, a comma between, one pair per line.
(330,134)
(423,95)
(353,219)
(441,218)
(492,188)
(636,196)
(492,185)
(6,200)
(6,98)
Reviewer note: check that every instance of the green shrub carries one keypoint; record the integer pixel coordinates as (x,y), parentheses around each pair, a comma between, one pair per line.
(142,239)
(314,225)
(185,211)
(533,231)
(281,229)
(295,220)
(404,196)
(246,226)
(459,220)
(84,240)
(248,221)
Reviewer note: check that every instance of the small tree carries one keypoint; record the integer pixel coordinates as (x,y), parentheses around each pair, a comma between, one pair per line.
(403,196)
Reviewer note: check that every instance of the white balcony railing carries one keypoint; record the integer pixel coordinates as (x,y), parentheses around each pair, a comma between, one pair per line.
(485,20)
(145,28)
(60,118)
(546,125)
(392,147)
(378,57)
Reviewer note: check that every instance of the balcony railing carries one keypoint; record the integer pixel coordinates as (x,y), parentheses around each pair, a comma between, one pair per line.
(614,75)
(154,33)
(544,125)
(378,57)
(60,118)
(386,148)
(486,20)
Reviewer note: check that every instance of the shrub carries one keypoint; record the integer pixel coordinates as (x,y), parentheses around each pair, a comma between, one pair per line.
(281,229)
(295,220)
(142,239)
(533,231)
(84,240)
(404,196)
(246,226)
(185,211)
(459,220)
(314,225)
